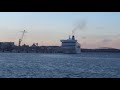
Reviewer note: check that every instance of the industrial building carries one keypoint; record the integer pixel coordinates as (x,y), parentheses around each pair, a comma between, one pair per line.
(6,46)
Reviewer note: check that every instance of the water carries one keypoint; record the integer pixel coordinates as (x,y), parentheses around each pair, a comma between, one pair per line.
(35,65)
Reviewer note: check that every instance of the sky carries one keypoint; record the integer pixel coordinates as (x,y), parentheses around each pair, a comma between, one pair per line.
(101,29)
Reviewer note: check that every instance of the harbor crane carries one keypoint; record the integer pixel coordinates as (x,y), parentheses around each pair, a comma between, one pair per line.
(20,40)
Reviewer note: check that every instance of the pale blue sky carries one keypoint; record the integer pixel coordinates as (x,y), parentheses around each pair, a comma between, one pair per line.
(49,27)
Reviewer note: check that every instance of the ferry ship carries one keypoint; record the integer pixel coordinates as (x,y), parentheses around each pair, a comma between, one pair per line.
(70,46)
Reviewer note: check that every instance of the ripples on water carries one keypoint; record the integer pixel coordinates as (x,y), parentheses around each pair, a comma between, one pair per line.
(35,65)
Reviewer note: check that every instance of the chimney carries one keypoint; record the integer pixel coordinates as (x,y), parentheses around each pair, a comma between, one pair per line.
(73,37)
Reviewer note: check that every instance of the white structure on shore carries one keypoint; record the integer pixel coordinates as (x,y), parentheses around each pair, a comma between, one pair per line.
(70,46)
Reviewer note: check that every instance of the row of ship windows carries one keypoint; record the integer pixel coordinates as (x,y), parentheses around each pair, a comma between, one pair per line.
(69,46)
(68,42)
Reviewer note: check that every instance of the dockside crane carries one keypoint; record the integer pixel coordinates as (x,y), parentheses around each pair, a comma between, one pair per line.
(20,40)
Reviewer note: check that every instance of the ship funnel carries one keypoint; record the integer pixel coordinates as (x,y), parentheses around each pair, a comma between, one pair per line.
(73,37)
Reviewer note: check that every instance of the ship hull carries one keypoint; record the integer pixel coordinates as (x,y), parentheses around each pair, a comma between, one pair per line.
(71,50)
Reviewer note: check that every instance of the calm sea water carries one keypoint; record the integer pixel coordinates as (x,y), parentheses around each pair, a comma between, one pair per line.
(35,65)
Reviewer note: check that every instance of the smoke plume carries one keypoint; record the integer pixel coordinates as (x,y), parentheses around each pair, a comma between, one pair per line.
(79,26)
(84,37)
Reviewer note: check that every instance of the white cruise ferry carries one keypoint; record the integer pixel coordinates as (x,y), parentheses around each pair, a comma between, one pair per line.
(70,46)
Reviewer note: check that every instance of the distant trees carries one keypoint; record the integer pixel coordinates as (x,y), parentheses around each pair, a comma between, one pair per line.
(100,50)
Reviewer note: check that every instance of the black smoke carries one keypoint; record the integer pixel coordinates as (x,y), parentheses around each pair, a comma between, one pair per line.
(79,26)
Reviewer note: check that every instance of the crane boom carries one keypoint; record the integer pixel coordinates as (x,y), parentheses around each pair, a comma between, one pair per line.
(23,34)
(20,40)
